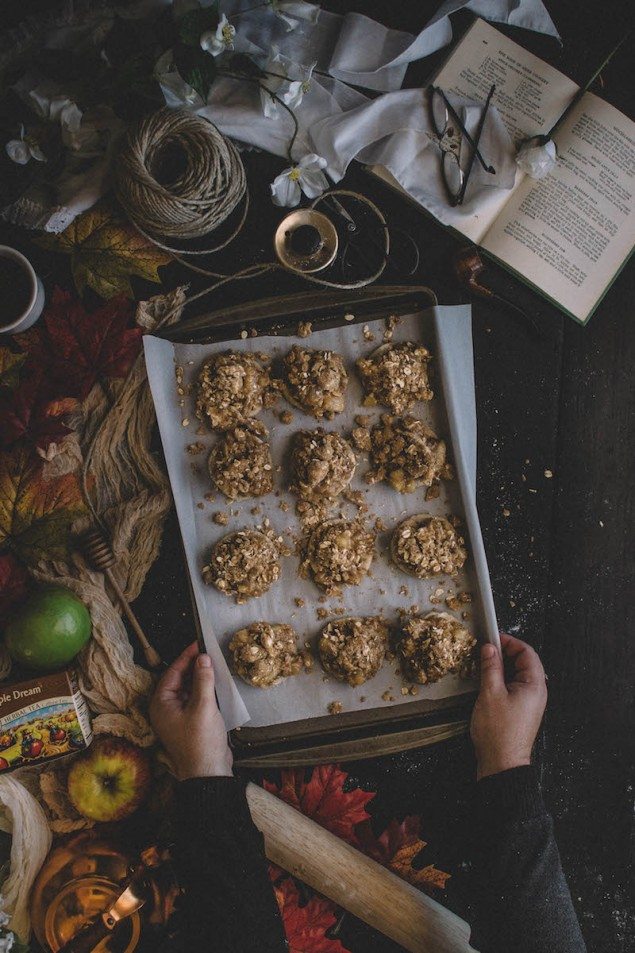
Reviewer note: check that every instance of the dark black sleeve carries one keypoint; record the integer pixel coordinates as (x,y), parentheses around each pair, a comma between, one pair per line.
(522,901)
(229,903)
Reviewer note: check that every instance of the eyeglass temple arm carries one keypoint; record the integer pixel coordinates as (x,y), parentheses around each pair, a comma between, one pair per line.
(479,133)
(450,108)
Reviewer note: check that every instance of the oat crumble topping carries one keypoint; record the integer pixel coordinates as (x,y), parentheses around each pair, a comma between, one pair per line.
(243,564)
(240,463)
(263,653)
(338,552)
(426,545)
(322,464)
(233,387)
(315,381)
(406,453)
(396,376)
(352,649)
(433,646)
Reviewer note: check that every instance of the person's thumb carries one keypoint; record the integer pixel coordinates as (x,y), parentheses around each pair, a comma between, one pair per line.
(203,680)
(492,674)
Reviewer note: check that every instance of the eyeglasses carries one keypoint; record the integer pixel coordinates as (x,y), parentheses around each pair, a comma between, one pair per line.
(441,112)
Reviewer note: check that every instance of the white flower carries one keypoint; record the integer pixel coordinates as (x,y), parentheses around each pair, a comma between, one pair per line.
(292,11)
(306,176)
(289,85)
(176,91)
(536,157)
(24,149)
(223,39)
(58,108)
(6,942)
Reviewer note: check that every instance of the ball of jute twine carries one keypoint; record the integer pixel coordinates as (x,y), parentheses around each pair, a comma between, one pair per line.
(207,185)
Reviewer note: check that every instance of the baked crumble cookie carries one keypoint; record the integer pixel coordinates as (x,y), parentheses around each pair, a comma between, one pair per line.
(322,464)
(338,552)
(352,649)
(435,645)
(264,653)
(232,387)
(427,545)
(396,375)
(403,451)
(240,463)
(243,564)
(315,381)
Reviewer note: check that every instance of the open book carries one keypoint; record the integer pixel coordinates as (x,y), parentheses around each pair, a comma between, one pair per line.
(569,234)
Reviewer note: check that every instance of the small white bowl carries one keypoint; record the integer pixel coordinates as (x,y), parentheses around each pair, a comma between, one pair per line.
(35,304)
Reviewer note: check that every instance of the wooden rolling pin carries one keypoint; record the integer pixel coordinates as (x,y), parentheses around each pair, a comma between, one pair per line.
(355,882)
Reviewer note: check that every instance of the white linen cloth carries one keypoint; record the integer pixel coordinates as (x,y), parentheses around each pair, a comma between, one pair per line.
(335,119)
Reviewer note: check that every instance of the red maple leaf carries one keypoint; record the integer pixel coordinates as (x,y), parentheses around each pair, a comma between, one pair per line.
(306,926)
(27,412)
(397,848)
(13,582)
(324,799)
(78,348)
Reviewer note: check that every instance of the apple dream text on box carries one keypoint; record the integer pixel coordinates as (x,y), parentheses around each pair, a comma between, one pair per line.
(54,724)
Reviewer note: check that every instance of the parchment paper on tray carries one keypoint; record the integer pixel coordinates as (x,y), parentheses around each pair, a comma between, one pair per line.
(451,414)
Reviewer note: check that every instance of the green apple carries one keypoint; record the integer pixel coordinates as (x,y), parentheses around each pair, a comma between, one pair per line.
(109,780)
(48,630)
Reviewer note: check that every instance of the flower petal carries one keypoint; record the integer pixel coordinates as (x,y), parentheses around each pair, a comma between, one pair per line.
(312,161)
(285,191)
(313,183)
(211,43)
(18,151)
(36,152)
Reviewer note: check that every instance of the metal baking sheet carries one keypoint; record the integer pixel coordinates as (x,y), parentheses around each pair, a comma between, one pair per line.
(451,413)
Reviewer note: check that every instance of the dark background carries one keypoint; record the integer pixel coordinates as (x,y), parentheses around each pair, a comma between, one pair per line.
(561,563)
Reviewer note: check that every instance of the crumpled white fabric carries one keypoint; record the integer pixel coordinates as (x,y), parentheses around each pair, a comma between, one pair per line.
(363,52)
(31,841)
(340,123)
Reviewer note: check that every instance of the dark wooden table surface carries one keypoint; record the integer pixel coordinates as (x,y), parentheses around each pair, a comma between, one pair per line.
(561,562)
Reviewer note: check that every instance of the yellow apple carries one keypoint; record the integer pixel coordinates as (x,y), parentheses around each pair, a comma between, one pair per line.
(109,780)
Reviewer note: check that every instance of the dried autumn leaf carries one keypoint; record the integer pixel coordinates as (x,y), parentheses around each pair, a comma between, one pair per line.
(35,514)
(306,926)
(77,348)
(10,364)
(27,414)
(425,877)
(324,799)
(13,583)
(397,848)
(106,250)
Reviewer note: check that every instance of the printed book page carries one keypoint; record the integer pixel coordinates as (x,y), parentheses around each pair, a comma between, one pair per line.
(571,232)
(530,96)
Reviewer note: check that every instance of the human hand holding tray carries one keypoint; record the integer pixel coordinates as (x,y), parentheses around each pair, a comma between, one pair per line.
(446,331)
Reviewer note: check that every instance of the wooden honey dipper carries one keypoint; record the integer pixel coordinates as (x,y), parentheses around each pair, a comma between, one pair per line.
(100,556)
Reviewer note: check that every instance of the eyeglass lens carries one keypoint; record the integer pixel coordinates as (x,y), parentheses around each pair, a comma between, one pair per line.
(452,173)
(440,115)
